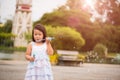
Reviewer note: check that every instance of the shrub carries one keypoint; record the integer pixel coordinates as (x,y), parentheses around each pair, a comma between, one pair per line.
(65,38)
(100,49)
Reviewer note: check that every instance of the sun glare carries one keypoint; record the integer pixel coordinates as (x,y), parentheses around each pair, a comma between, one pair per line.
(89,5)
(89,2)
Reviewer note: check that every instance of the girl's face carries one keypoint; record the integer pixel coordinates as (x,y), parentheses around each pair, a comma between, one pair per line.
(38,35)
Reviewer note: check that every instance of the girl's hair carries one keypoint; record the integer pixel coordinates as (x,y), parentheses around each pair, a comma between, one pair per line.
(41,28)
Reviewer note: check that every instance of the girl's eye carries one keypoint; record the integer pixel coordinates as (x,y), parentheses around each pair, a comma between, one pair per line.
(37,34)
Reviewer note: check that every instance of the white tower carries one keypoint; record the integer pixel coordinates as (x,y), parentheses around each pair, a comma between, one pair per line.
(22,23)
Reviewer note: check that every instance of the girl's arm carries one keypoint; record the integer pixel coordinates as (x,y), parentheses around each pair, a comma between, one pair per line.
(28,53)
(50,50)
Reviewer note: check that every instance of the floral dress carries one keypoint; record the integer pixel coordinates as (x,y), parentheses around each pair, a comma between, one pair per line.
(40,69)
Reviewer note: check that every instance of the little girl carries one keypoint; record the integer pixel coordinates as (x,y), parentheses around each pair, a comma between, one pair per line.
(39,67)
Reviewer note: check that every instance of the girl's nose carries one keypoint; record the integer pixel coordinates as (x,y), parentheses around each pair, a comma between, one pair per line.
(37,35)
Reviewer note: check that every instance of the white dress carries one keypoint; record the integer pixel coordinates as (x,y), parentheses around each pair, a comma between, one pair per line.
(40,69)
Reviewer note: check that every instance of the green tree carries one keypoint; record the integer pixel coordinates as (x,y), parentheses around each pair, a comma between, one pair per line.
(7,28)
(71,15)
(72,18)
(100,49)
(6,37)
(110,37)
(65,38)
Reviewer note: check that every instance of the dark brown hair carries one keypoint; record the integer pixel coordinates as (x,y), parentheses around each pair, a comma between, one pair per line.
(41,28)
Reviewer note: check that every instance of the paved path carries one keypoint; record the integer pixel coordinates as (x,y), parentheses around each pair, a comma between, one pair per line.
(15,70)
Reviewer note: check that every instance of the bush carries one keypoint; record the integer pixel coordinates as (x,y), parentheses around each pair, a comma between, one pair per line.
(100,49)
(6,39)
(117,59)
(65,38)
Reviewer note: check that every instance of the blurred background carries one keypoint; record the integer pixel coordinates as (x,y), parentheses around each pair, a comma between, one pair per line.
(90,27)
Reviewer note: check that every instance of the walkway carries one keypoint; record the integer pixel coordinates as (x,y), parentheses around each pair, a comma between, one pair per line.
(15,70)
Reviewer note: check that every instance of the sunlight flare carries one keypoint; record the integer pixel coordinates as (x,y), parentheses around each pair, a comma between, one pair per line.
(93,7)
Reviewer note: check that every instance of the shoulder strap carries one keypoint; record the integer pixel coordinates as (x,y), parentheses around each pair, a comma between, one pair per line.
(32,43)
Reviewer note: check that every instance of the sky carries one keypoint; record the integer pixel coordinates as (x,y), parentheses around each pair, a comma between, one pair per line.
(39,7)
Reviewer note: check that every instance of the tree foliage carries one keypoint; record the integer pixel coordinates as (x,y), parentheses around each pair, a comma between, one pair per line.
(6,37)
(7,28)
(112,7)
(72,15)
(65,38)
(100,49)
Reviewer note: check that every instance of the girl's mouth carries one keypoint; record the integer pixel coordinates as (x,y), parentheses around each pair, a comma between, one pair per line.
(40,40)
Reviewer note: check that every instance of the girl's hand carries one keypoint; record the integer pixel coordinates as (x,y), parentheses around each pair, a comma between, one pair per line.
(49,47)
(31,59)
(47,40)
